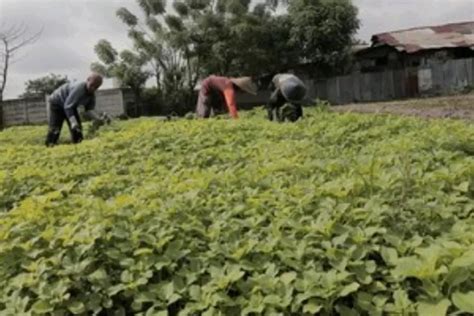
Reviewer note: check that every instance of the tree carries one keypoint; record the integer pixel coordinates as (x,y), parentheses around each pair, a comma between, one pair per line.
(12,40)
(230,37)
(200,37)
(259,42)
(162,44)
(324,31)
(127,67)
(43,85)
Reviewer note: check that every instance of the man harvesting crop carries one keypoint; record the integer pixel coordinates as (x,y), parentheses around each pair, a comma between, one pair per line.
(63,106)
(215,92)
(285,101)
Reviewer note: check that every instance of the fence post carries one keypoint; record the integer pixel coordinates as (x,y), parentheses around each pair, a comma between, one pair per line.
(25,110)
(46,106)
(122,100)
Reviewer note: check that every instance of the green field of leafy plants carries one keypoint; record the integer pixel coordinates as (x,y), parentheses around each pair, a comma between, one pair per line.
(337,214)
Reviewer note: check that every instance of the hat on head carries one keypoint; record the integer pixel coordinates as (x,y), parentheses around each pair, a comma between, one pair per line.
(246,84)
(294,91)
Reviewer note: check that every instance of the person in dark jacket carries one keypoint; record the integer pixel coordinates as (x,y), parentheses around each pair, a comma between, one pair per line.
(63,106)
(286,99)
(218,92)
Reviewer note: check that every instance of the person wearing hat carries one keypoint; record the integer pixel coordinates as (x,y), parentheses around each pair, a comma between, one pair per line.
(285,101)
(216,91)
(63,106)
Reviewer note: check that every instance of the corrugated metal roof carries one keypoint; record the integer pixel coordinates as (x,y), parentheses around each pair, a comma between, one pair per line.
(429,37)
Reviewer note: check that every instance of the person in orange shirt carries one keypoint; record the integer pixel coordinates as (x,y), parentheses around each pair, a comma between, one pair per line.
(216,91)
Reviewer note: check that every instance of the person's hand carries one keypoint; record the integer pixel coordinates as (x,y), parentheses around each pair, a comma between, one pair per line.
(106,118)
(74,123)
(77,135)
(98,123)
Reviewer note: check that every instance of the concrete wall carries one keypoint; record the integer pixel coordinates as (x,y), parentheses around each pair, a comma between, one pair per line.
(24,111)
(34,110)
(110,101)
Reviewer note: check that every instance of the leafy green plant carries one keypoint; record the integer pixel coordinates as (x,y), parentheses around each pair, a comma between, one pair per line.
(338,214)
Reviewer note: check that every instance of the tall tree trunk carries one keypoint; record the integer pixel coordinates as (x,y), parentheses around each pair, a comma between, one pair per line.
(4,69)
(4,80)
(1,110)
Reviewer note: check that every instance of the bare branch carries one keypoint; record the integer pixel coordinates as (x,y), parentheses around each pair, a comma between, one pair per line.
(16,33)
(12,39)
(26,41)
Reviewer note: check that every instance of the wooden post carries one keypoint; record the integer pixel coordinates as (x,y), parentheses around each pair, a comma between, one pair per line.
(25,110)
(46,106)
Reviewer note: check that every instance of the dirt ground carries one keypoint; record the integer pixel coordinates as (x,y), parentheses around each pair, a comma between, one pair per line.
(456,107)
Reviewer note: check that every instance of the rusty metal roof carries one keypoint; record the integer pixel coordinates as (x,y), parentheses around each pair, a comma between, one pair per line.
(428,37)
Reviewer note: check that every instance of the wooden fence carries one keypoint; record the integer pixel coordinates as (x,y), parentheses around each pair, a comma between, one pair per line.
(451,77)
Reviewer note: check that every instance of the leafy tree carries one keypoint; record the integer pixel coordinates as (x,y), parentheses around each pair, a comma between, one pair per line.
(231,37)
(43,85)
(126,66)
(164,54)
(324,31)
(200,37)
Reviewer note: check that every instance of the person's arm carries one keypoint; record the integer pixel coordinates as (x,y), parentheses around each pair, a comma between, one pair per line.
(93,115)
(271,104)
(90,113)
(71,104)
(299,111)
(274,104)
(275,84)
(229,95)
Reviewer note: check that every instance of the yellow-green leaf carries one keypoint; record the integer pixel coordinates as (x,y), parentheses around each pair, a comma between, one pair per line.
(433,309)
(464,301)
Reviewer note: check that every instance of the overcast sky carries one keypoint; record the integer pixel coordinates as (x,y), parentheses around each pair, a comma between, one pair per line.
(71,28)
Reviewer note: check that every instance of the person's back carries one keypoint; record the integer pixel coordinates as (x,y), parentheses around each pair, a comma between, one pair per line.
(217,91)
(289,90)
(214,84)
(72,94)
(292,88)
(59,96)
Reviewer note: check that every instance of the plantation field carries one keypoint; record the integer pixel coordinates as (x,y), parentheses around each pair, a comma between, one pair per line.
(337,214)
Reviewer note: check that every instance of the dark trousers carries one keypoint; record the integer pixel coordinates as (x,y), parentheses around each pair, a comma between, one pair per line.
(274,105)
(56,118)
(209,104)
